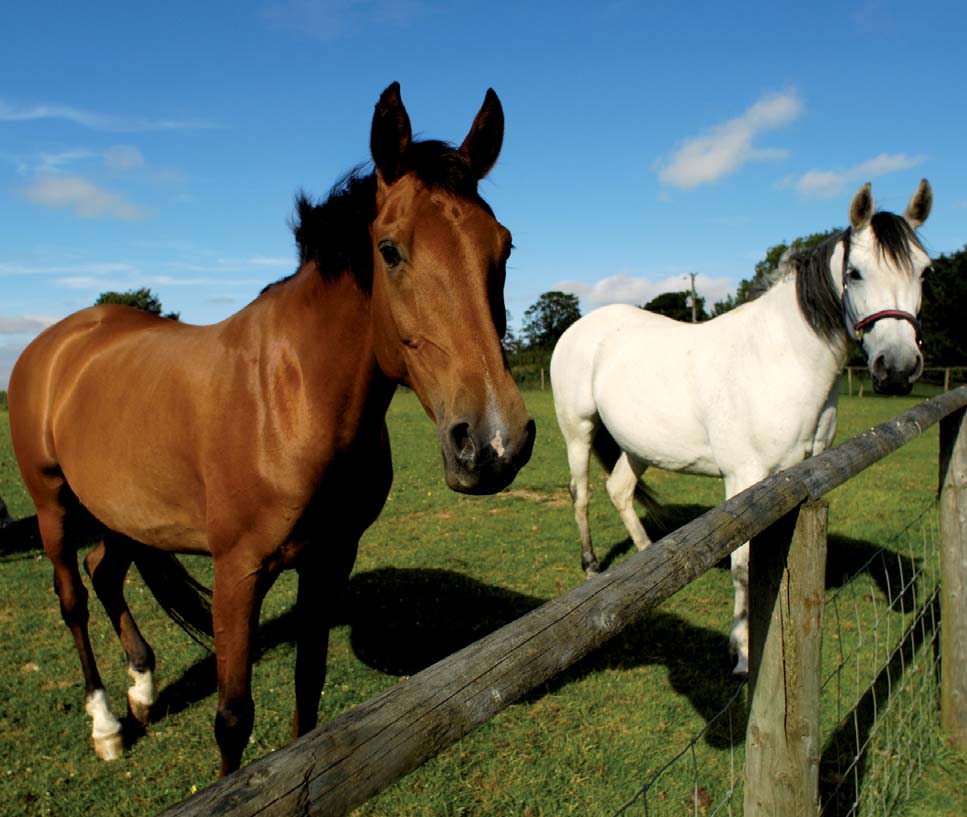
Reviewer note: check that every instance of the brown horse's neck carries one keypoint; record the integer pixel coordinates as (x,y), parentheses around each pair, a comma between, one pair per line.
(316,349)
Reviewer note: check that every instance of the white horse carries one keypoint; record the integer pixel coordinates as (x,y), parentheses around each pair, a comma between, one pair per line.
(750,392)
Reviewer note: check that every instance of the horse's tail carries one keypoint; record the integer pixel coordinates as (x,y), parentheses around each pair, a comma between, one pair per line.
(607,451)
(186,600)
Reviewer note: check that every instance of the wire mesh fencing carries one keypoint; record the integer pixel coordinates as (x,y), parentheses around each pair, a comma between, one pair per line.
(881,675)
(879,702)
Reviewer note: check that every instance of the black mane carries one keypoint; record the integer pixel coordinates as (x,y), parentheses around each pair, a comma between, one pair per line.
(815,293)
(335,233)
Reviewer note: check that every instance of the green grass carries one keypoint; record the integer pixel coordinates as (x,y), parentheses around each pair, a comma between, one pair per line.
(437,571)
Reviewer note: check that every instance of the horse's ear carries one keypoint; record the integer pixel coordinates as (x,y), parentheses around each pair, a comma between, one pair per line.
(482,145)
(391,134)
(920,205)
(861,208)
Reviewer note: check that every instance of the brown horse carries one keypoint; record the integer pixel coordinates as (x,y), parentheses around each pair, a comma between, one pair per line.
(262,440)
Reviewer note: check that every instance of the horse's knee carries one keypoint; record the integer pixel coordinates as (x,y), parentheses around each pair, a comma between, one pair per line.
(740,568)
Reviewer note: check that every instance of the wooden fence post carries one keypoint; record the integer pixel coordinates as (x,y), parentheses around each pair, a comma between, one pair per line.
(849,377)
(787,575)
(953,578)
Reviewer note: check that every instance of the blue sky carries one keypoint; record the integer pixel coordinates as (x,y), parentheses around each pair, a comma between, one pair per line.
(163,146)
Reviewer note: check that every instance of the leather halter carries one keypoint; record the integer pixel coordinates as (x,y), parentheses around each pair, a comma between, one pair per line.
(857,327)
(861,326)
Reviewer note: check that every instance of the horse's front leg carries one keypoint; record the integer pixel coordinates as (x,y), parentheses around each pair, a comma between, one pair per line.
(739,636)
(578,458)
(322,585)
(240,587)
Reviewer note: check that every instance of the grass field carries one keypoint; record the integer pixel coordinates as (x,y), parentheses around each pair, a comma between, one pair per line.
(436,572)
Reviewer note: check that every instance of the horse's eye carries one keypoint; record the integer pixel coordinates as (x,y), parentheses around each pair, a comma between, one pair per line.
(855,274)
(390,254)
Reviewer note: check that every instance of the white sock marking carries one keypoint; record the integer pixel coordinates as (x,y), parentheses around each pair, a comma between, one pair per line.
(143,690)
(105,724)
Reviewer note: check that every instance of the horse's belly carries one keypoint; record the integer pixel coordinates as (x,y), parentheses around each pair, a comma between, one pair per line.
(662,436)
(137,503)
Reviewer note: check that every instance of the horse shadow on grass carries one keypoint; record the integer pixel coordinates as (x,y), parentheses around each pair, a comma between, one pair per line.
(403,620)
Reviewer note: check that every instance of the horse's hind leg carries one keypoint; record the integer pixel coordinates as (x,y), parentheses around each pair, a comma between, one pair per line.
(621,488)
(578,458)
(107,566)
(106,729)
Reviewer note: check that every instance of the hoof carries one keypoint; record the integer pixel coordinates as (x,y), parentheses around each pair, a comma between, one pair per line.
(592,571)
(109,747)
(741,667)
(139,710)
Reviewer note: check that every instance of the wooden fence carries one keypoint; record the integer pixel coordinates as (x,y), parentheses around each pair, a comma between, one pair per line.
(344,762)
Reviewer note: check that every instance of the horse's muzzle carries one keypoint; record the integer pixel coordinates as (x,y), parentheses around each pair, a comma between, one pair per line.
(896,377)
(484,463)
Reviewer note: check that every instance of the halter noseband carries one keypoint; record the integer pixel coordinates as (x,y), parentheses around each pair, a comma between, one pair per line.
(857,327)
(861,326)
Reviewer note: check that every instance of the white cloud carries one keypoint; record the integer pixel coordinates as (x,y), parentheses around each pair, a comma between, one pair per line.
(725,147)
(64,269)
(625,288)
(829,183)
(10,349)
(23,324)
(123,157)
(83,197)
(53,162)
(96,121)
(93,282)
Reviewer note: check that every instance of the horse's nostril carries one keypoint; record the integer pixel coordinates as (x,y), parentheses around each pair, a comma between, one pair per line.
(463,445)
(878,367)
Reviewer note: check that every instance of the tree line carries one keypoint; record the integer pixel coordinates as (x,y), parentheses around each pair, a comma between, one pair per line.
(944,304)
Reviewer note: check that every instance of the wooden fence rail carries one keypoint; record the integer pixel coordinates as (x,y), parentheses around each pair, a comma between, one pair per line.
(344,762)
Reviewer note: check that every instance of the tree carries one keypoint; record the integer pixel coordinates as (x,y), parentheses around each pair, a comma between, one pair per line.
(678,305)
(727,303)
(748,286)
(509,341)
(943,309)
(546,320)
(142,298)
